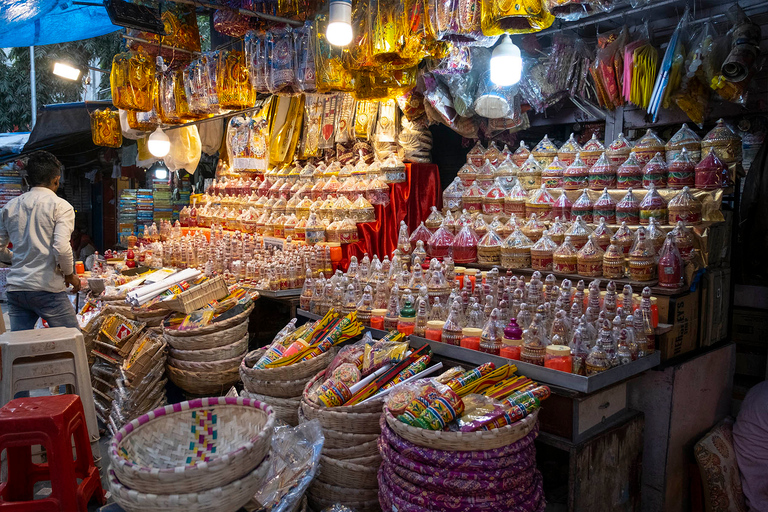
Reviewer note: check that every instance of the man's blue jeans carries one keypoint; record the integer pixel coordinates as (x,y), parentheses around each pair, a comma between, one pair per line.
(27,307)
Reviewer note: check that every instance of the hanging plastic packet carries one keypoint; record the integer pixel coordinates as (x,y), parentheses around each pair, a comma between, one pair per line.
(305,58)
(313,118)
(200,85)
(328,123)
(344,124)
(365,119)
(670,73)
(386,127)
(280,59)
(256,56)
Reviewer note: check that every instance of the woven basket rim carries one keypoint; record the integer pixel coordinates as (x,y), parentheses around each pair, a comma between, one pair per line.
(206,351)
(207,329)
(254,373)
(367,408)
(197,403)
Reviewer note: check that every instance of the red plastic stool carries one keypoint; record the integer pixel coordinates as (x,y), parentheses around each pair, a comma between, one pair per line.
(51,421)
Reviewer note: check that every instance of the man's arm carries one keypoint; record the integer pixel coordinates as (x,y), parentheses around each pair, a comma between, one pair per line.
(62,231)
(5,255)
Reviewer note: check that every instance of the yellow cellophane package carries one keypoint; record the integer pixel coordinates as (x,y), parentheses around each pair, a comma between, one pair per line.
(105,128)
(132,81)
(142,121)
(514,16)
(287,114)
(181,32)
(330,71)
(233,82)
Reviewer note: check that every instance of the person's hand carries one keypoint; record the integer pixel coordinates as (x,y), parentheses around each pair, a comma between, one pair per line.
(74,280)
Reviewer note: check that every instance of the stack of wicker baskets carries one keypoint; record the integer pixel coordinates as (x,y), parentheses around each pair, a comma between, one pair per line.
(205,361)
(350,460)
(207,454)
(281,387)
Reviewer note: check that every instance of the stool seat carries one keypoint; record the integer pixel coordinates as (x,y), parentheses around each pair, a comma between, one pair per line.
(51,421)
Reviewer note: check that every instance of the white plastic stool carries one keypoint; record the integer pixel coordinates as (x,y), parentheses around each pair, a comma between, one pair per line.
(41,358)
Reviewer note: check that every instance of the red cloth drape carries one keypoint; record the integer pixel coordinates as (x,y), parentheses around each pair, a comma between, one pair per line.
(409,201)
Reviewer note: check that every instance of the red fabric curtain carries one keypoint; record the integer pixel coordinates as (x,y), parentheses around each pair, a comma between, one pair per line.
(409,201)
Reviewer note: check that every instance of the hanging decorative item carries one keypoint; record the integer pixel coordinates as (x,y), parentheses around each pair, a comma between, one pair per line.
(514,17)
(200,85)
(132,81)
(330,73)
(105,128)
(181,33)
(233,81)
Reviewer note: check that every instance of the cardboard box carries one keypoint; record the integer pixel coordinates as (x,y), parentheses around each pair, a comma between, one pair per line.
(750,326)
(715,305)
(719,241)
(682,312)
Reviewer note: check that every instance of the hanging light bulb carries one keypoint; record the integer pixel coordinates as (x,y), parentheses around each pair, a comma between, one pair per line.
(506,63)
(158,143)
(339,31)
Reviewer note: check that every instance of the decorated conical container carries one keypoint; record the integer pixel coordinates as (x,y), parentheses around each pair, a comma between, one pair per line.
(467,174)
(628,209)
(605,207)
(623,238)
(507,173)
(516,250)
(423,233)
(629,174)
(465,246)
(614,263)
(544,152)
(489,249)
(534,228)
(602,174)
(618,151)
(521,154)
(592,150)
(515,201)
(684,241)
(648,145)
(472,200)
(479,226)
(542,253)
(567,152)
(684,138)
(582,207)
(653,205)
(655,172)
(642,258)
(589,259)
(724,141)
(484,177)
(578,233)
(710,172)
(450,223)
(440,244)
(512,223)
(539,202)
(557,231)
(493,154)
(684,207)
(603,233)
(565,258)
(655,235)
(476,155)
(562,207)
(576,175)
(362,210)
(552,174)
(499,227)
(682,171)
(434,220)
(452,195)
(493,202)
(530,174)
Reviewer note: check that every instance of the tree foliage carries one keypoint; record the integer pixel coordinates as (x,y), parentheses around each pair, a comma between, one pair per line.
(15,89)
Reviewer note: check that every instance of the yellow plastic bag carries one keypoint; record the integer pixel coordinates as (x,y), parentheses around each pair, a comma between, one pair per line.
(185,149)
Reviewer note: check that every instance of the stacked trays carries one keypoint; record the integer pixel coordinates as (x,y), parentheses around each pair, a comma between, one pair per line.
(281,387)
(205,361)
(207,454)
(437,471)
(350,459)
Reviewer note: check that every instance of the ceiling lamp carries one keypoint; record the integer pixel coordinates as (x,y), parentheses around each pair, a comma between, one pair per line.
(65,70)
(158,143)
(506,63)
(339,31)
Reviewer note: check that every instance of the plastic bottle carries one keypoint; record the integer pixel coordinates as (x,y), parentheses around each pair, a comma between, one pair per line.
(512,342)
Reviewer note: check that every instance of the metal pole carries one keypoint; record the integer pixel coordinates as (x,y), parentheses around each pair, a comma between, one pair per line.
(33,86)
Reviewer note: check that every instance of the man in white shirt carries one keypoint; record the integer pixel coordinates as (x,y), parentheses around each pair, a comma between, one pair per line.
(39,224)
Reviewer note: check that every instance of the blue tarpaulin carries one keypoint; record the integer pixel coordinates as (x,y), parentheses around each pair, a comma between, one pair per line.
(40,22)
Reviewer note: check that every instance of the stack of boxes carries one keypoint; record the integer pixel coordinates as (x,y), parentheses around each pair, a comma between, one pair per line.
(126,216)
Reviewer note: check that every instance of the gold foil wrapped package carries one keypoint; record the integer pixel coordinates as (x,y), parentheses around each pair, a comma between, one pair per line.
(233,81)
(330,73)
(457,21)
(516,250)
(619,150)
(645,148)
(568,151)
(489,249)
(105,128)
(132,80)
(499,17)
(726,144)
(540,202)
(565,258)
(544,152)
(181,32)
(142,121)
(592,150)
(684,138)
(530,174)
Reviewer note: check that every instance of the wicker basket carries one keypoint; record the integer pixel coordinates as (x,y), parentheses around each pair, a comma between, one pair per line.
(373,406)
(206,366)
(221,338)
(359,473)
(201,332)
(331,418)
(197,297)
(301,370)
(353,452)
(212,354)
(204,383)
(286,409)
(159,452)
(341,494)
(319,503)
(463,441)
(339,440)
(278,388)
(227,498)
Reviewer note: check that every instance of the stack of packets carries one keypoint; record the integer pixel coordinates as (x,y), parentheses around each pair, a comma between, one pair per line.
(371,369)
(237,301)
(293,345)
(484,398)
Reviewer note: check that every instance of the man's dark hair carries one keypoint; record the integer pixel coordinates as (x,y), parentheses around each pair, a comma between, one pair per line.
(42,168)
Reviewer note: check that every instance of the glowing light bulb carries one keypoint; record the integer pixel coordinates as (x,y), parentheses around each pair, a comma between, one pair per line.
(339,31)
(64,70)
(506,63)
(158,143)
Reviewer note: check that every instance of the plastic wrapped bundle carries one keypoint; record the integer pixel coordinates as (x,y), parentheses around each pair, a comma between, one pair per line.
(416,141)
(565,258)
(629,174)
(540,203)
(602,174)
(684,139)
(516,250)
(576,175)
(684,207)
(682,171)
(465,246)
(200,85)
(479,226)
(605,207)
(457,21)
(280,54)
(628,209)
(655,172)
(440,244)
(653,205)
(619,150)
(582,207)
(568,151)
(571,10)
(132,80)
(562,207)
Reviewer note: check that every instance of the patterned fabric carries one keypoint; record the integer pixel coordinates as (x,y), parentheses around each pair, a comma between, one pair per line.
(719,470)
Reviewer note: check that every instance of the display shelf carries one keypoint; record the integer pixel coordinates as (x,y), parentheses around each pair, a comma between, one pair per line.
(280,294)
(573,277)
(569,381)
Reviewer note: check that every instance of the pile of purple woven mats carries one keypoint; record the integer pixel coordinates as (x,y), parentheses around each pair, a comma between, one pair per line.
(415,478)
